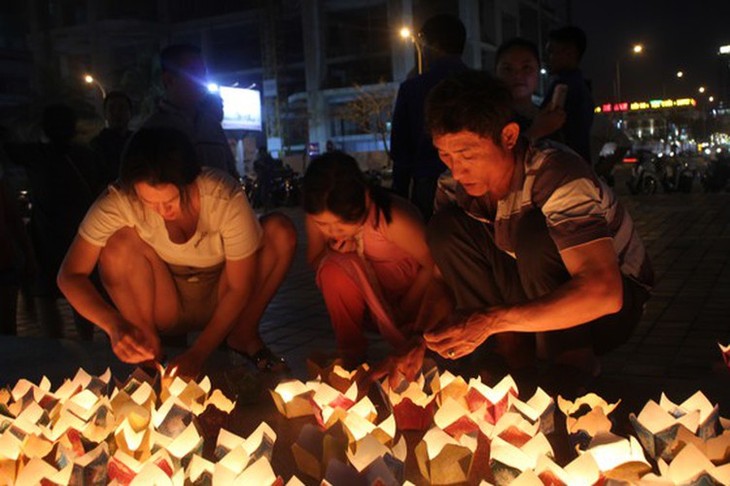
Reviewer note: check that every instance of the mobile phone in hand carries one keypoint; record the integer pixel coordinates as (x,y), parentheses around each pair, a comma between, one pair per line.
(559,94)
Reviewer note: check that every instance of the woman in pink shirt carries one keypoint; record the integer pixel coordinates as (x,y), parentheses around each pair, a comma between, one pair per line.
(369,250)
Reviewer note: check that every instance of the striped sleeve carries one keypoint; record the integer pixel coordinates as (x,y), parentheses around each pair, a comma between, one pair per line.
(571,198)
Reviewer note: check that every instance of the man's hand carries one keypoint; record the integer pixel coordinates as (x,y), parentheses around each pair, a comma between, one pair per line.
(461,334)
(132,344)
(187,365)
(344,246)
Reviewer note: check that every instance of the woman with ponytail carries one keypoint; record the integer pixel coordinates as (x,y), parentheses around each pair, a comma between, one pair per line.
(368,248)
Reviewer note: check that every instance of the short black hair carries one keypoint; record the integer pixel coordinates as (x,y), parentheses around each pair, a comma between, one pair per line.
(470,100)
(517,43)
(171,57)
(117,95)
(159,156)
(572,35)
(445,32)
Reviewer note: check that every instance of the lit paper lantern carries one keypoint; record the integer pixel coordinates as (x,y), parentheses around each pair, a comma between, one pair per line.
(582,426)
(611,451)
(456,420)
(314,449)
(293,399)
(444,460)
(540,408)
(508,461)
(725,350)
(515,429)
(690,466)
(413,403)
(335,375)
(495,398)
(658,424)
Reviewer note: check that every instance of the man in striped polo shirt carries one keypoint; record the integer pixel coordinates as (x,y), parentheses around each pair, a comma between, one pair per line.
(531,247)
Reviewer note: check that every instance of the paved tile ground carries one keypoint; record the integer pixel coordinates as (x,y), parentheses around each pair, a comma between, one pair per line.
(674,348)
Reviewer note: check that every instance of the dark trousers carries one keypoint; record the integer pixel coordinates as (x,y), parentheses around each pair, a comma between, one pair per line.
(481,275)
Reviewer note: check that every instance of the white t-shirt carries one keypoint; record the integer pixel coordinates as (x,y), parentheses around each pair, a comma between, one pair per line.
(227,226)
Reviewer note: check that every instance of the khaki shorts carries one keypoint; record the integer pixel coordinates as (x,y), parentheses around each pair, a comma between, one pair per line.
(197,291)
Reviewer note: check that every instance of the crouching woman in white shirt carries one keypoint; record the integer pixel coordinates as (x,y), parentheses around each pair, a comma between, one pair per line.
(179,249)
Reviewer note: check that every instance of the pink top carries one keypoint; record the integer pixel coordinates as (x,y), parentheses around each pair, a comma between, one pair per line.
(383,271)
(394,268)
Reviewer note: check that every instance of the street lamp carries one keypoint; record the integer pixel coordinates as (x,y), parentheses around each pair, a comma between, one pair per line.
(406,33)
(701,89)
(680,74)
(90,80)
(635,49)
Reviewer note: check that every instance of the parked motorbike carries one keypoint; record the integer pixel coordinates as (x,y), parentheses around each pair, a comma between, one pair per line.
(251,188)
(605,165)
(716,174)
(276,184)
(676,174)
(644,175)
(286,188)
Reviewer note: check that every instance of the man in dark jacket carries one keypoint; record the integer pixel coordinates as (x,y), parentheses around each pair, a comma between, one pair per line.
(189,107)
(415,160)
(109,143)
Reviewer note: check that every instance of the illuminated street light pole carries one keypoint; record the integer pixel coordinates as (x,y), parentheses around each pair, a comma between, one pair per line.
(636,50)
(90,80)
(405,33)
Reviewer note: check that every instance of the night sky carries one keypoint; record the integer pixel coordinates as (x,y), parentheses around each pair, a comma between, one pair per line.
(677,35)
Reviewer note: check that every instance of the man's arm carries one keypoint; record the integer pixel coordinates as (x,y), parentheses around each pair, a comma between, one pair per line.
(595,289)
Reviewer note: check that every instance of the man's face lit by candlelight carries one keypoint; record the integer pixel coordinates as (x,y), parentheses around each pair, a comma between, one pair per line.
(164,199)
(477,163)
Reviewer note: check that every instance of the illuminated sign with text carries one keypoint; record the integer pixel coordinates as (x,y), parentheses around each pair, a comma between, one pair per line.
(644,105)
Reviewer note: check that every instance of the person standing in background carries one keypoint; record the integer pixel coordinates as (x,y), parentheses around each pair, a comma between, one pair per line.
(188,107)
(414,158)
(517,65)
(565,48)
(110,141)
(64,179)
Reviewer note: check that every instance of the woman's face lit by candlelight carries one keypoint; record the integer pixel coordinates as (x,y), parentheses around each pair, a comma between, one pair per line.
(164,199)
(335,227)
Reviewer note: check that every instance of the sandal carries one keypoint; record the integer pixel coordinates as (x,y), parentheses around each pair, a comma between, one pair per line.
(264,359)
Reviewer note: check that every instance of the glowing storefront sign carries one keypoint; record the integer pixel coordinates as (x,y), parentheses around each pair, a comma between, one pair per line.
(644,105)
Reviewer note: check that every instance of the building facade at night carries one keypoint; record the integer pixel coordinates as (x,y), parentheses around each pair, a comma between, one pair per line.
(723,72)
(309,58)
(15,60)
